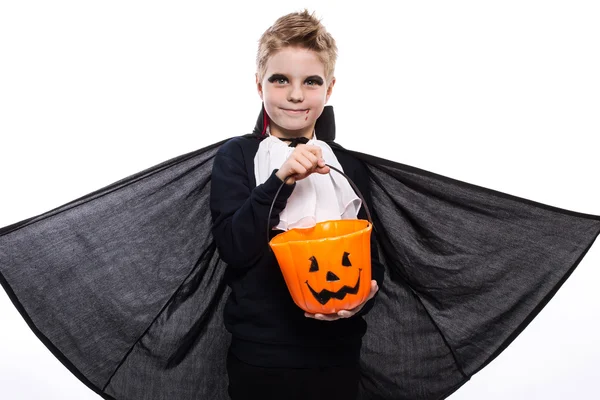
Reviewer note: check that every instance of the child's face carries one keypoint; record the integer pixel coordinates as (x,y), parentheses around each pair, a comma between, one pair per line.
(294,80)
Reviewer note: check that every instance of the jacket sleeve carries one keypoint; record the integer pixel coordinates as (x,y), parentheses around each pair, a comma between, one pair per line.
(239,212)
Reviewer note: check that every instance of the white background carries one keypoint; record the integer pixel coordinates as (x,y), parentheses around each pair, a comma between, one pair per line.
(503,95)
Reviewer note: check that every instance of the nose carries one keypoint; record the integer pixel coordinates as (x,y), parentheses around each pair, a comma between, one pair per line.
(295,94)
(331,277)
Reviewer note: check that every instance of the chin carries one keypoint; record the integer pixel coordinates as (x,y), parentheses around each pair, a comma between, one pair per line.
(294,127)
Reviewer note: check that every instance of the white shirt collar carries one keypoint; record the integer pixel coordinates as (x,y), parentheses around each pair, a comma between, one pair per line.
(268,133)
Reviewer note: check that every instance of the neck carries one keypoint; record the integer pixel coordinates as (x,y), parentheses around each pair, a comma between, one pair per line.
(283,133)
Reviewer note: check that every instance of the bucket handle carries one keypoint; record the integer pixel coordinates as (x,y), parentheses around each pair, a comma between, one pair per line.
(364,203)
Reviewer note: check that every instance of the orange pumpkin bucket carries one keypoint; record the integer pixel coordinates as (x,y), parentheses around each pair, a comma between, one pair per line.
(327,268)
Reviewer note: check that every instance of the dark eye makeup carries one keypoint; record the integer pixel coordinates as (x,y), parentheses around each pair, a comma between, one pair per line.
(316,79)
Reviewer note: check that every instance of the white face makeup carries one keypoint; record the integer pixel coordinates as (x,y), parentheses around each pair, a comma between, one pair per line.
(294,91)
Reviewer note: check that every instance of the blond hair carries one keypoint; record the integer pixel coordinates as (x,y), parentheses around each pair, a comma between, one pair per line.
(299,29)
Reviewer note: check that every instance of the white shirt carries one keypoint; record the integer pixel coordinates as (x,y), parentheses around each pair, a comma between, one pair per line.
(319,197)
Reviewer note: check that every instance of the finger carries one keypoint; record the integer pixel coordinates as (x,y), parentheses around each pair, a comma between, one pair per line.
(322,170)
(354,310)
(316,150)
(327,317)
(314,155)
(311,157)
(323,317)
(349,313)
(374,289)
(296,168)
(308,160)
(371,295)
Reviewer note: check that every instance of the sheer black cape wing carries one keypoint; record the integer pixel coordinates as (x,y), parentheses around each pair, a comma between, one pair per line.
(468,268)
(125,285)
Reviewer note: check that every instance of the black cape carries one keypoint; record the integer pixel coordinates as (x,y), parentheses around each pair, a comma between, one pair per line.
(125,285)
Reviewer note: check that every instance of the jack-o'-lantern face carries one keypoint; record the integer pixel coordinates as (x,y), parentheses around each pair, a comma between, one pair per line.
(327,268)
(325,295)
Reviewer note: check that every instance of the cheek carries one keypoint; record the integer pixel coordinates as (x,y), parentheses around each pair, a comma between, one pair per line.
(317,96)
(270,97)
(271,103)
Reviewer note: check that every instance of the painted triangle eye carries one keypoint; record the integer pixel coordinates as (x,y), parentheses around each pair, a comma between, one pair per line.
(314,265)
(345,260)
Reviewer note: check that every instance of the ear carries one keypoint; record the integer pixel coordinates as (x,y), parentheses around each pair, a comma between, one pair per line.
(329,90)
(259,86)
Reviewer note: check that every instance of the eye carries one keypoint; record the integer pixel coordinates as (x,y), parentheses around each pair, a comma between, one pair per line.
(314,81)
(314,265)
(345,260)
(278,79)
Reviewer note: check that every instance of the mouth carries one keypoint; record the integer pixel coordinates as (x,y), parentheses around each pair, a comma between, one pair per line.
(325,295)
(295,112)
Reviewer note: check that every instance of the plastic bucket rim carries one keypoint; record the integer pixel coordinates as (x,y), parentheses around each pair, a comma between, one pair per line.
(281,241)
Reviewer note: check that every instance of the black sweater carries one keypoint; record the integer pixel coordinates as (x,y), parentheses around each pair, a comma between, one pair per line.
(268,329)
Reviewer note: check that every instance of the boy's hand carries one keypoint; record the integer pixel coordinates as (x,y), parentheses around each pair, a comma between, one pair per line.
(345,313)
(305,160)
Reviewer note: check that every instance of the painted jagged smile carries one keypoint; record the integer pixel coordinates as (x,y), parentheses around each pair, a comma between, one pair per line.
(325,295)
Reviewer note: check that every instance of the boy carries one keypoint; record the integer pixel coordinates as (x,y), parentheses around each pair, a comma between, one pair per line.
(278,350)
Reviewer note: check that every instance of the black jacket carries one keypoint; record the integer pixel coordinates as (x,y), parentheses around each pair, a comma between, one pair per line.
(268,328)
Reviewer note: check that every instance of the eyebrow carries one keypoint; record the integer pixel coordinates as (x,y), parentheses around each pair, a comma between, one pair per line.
(278,75)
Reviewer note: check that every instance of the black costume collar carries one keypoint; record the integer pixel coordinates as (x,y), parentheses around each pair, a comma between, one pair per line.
(325,126)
